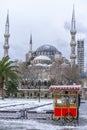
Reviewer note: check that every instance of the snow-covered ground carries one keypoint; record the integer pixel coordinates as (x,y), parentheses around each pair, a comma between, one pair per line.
(18,104)
(26,124)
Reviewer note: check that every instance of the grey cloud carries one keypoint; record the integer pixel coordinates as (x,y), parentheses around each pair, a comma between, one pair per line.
(79,27)
(63,46)
(67,26)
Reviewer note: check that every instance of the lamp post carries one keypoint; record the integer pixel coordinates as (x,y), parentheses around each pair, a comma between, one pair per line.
(39,83)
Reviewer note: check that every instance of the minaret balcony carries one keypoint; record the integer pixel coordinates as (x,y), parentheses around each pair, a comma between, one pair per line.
(73,32)
(6,46)
(73,56)
(7,35)
(73,43)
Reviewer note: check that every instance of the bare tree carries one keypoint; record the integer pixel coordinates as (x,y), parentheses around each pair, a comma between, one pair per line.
(55,72)
(71,74)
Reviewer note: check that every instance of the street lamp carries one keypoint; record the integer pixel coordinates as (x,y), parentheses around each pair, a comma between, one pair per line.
(39,83)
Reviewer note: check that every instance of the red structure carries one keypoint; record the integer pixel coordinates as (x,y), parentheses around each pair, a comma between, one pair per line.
(66,102)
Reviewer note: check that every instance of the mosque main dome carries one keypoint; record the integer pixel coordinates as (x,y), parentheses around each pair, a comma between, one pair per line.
(44,50)
(47,50)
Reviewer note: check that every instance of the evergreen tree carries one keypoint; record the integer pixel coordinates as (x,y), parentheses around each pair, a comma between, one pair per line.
(8,72)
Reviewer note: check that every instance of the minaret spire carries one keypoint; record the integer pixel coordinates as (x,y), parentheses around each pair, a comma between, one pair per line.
(6,36)
(30,44)
(29,54)
(73,42)
(73,24)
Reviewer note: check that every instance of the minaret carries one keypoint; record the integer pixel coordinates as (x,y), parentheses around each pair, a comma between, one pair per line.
(29,54)
(73,42)
(30,44)
(6,36)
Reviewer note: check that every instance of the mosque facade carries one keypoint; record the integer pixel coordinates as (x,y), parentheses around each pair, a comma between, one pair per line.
(41,62)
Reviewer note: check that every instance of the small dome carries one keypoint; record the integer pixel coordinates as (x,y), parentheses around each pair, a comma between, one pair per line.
(64,65)
(58,57)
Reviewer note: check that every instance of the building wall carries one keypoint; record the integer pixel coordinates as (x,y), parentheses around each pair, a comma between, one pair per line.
(34,93)
(80,55)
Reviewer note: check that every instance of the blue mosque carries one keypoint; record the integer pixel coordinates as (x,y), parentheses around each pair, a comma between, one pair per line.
(40,63)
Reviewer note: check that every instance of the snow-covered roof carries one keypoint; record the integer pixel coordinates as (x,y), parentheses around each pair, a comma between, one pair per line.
(44,65)
(41,57)
(65,87)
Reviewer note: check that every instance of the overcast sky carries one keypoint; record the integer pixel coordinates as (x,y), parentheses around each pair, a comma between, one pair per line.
(48,21)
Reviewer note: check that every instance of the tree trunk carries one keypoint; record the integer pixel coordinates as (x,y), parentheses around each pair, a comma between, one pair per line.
(1,90)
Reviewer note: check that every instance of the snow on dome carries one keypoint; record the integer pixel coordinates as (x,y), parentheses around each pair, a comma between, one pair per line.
(39,64)
(43,65)
(42,58)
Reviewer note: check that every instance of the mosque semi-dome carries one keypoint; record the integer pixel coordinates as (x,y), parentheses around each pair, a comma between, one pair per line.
(42,58)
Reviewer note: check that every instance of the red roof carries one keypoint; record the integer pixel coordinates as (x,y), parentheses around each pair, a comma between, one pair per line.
(65,87)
